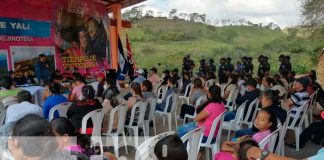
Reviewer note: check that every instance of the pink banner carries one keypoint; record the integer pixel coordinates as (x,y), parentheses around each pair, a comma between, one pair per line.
(73,34)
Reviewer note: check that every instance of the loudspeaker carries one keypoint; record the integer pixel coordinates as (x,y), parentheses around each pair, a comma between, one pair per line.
(111,74)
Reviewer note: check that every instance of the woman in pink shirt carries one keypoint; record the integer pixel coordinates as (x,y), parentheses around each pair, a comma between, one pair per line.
(264,124)
(76,93)
(154,77)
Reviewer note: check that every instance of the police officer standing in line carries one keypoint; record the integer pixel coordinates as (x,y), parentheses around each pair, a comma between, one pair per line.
(222,71)
(203,67)
(212,67)
(188,65)
(264,66)
(282,62)
(288,64)
(230,66)
(250,64)
(245,65)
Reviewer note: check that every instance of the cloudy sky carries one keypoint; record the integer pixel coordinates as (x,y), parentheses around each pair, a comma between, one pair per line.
(285,13)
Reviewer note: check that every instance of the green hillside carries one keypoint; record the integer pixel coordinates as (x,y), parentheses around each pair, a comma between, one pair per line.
(160,40)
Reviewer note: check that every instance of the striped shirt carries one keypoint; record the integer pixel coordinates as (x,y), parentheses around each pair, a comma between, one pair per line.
(299,98)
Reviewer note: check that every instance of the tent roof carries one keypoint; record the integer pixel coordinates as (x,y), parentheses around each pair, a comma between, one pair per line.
(124,3)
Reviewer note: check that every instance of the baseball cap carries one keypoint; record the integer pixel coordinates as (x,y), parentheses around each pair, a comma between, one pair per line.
(303,80)
(140,71)
(251,82)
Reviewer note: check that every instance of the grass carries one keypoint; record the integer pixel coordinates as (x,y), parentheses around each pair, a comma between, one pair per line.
(159,40)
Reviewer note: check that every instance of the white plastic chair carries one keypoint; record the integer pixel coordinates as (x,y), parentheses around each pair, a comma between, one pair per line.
(209,83)
(62,109)
(167,113)
(252,110)
(230,101)
(96,117)
(187,94)
(193,139)
(310,110)
(270,140)
(280,150)
(7,101)
(120,110)
(95,84)
(161,93)
(298,127)
(141,106)
(146,150)
(199,101)
(214,146)
(2,117)
(152,105)
(235,124)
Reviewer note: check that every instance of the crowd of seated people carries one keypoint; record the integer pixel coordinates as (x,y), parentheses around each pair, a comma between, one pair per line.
(273,91)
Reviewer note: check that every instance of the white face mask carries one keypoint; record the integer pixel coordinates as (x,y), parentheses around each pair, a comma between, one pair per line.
(105,86)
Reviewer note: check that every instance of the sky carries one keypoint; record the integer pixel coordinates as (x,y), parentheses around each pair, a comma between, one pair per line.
(285,13)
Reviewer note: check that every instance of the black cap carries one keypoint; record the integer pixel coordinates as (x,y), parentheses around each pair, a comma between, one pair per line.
(166,71)
(287,57)
(229,58)
(200,74)
(175,70)
(303,80)
(202,60)
(261,56)
(211,61)
(251,82)
(154,69)
(281,56)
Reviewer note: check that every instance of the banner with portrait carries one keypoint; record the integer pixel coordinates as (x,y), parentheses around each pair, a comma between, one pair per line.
(73,34)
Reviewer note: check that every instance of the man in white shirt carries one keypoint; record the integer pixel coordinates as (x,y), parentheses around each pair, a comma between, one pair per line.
(24,107)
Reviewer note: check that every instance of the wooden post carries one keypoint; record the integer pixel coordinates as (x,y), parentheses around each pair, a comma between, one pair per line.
(114,32)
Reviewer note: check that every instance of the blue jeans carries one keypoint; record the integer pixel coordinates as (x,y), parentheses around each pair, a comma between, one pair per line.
(229,116)
(184,129)
(244,132)
(159,107)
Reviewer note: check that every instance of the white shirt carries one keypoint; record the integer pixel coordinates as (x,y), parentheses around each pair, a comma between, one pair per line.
(17,111)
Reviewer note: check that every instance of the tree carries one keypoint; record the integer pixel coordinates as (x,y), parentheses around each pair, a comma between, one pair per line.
(193,17)
(313,13)
(149,13)
(133,13)
(172,13)
(183,16)
(202,18)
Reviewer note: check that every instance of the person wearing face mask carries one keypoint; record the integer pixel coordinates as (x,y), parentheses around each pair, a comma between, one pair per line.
(110,101)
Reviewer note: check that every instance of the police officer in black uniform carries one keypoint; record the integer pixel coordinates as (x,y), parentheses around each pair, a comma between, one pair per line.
(223,71)
(245,65)
(250,64)
(288,64)
(264,66)
(282,62)
(212,67)
(230,66)
(203,67)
